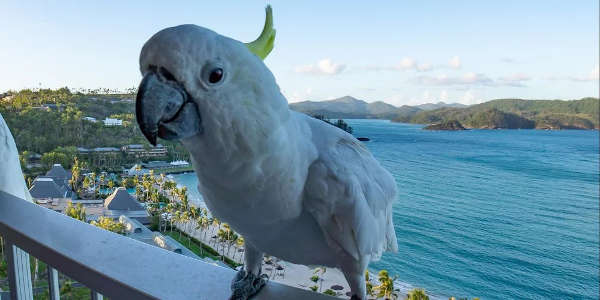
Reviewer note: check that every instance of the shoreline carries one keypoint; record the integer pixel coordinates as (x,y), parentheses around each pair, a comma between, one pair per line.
(294,275)
(291,274)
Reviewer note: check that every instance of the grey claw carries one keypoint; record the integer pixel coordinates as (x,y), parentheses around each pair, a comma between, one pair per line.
(245,285)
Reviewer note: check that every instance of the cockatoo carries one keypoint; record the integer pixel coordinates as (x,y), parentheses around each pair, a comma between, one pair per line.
(11,176)
(295,187)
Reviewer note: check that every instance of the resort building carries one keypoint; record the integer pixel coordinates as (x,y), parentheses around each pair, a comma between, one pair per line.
(45,191)
(119,203)
(59,176)
(90,119)
(113,122)
(140,151)
(137,170)
(157,164)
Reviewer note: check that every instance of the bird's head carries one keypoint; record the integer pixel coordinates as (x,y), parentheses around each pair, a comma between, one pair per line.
(196,82)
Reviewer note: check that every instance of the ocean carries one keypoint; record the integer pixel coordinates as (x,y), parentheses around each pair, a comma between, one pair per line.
(495,214)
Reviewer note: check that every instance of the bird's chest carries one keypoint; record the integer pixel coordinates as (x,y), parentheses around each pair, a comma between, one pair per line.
(255,195)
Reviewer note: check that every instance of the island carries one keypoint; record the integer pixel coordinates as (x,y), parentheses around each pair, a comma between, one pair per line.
(445,125)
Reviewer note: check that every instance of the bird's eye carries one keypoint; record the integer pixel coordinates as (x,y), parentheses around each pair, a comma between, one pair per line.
(215,75)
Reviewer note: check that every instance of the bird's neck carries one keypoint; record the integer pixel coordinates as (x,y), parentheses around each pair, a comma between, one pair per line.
(235,173)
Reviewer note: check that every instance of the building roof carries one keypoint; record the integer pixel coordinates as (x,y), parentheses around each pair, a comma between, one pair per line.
(46,188)
(135,146)
(58,172)
(107,149)
(156,164)
(121,200)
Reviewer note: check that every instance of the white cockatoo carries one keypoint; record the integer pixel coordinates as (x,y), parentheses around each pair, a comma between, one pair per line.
(295,187)
(11,175)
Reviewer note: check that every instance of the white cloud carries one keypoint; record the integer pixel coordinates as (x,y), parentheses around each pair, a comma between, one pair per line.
(468,78)
(594,73)
(407,63)
(454,62)
(298,96)
(473,79)
(470,98)
(508,60)
(516,79)
(322,67)
(444,95)
(592,76)
(426,96)
(424,67)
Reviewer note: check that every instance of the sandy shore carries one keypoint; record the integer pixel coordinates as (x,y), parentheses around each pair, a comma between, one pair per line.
(289,274)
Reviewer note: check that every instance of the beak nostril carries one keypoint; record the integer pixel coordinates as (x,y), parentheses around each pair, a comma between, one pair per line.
(166,74)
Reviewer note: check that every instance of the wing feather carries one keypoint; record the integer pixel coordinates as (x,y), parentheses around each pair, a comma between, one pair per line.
(350,195)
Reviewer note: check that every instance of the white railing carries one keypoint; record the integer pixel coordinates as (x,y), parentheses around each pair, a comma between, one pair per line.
(107,263)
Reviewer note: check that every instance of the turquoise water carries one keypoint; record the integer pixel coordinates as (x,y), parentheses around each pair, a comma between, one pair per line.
(496,214)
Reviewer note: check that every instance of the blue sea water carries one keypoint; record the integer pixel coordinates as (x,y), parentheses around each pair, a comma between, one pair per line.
(495,214)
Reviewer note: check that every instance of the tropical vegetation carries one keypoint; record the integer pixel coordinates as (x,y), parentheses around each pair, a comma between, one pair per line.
(515,114)
(51,123)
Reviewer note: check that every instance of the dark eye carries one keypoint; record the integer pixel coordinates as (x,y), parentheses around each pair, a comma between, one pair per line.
(215,75)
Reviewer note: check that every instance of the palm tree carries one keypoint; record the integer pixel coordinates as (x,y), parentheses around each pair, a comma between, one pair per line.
(184,219)
(101,183)
(93,175)
(111,184)
(239,243)
(369,284)
(177,218)
(386,285)
(417,294)
(322,270)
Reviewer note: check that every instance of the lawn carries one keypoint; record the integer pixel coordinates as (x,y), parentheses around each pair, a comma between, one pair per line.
(199,248)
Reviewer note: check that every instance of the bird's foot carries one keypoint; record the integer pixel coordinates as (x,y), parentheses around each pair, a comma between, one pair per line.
(245,285)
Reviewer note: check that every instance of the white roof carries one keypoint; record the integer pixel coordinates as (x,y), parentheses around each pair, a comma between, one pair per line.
(44,179)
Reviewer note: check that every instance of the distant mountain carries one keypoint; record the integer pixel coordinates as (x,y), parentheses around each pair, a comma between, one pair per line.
(351,108)
(432,106)
(516,113)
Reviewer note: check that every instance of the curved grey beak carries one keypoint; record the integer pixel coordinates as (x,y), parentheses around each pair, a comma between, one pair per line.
(163,109)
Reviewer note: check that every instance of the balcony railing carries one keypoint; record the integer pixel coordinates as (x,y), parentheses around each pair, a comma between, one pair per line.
(107,263)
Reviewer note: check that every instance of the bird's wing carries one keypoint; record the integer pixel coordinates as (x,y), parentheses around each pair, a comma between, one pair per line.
(11,176)
(350,195)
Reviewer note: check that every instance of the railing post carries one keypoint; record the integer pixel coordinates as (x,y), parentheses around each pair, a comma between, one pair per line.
(96,296)
(53,287)
(19,273)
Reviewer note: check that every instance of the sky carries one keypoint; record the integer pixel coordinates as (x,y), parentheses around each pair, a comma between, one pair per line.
(400,52)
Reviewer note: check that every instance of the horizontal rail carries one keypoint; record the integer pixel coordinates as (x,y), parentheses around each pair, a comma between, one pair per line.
(117,266)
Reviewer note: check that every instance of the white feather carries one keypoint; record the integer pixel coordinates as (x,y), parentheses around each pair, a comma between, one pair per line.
(11,176)
(293,186)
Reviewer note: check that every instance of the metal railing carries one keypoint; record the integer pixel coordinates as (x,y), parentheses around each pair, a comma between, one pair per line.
(107,263)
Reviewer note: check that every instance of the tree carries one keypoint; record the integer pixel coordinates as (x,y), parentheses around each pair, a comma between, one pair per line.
(75,212)
(101,180)
(369,284)
(110,225)
(111,184)
(75,172)
(385,289)
(417,294)
(322,270)
(51,158)
(86,182)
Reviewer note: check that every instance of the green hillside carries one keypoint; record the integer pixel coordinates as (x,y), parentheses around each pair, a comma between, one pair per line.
(517,113)
(52,121)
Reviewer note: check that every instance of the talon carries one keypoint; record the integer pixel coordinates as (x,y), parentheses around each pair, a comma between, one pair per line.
(245,285)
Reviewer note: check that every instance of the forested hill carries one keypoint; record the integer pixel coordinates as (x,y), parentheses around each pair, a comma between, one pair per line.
(53,121)
(517,113)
